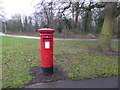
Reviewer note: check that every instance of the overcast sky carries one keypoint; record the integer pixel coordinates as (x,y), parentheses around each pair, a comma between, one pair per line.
(19,6)
(24,7)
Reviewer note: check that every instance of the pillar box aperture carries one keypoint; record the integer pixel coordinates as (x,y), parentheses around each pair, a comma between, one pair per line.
(46,35)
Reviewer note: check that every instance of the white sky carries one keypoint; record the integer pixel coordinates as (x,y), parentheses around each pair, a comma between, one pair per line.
(24,7)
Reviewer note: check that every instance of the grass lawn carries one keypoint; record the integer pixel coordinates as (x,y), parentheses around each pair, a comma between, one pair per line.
(0,62)
(19,55)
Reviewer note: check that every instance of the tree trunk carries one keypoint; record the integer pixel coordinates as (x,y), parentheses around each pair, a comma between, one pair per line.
(104,42)
(36,26)
(73,16)
(77,14)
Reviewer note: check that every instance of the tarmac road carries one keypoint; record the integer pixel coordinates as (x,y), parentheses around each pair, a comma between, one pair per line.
(31,37)
(109,82)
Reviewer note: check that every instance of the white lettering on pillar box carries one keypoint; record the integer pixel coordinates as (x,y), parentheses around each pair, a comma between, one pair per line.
(47,44)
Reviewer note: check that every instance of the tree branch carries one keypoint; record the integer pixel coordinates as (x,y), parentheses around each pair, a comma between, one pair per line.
(66,7)
(94,6)
(118,11)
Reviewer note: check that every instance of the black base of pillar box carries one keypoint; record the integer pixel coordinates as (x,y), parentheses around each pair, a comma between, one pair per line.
(47,71)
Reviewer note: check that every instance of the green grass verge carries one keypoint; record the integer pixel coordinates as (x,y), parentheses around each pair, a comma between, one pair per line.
(0,62)
(19,55)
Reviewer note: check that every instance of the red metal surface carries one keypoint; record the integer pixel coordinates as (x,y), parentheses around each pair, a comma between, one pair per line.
(46,53)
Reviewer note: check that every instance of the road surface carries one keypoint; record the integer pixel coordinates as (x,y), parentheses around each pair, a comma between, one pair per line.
(31,37)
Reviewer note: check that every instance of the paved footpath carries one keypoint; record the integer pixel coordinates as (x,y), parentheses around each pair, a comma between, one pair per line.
(109,82)
(67,39)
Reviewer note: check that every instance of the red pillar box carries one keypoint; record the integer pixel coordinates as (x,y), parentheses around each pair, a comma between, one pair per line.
(46,40)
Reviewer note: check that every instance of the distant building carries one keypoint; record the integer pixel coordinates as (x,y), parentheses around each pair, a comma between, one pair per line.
(4,27)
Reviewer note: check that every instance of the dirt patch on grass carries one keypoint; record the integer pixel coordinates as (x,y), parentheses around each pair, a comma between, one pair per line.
(113,53)
(110,53)
(36,72)
(24,33)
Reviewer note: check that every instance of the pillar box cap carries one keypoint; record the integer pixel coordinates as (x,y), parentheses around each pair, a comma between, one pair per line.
(46,30)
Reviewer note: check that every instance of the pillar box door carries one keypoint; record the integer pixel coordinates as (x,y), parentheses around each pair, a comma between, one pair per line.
(46,35)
